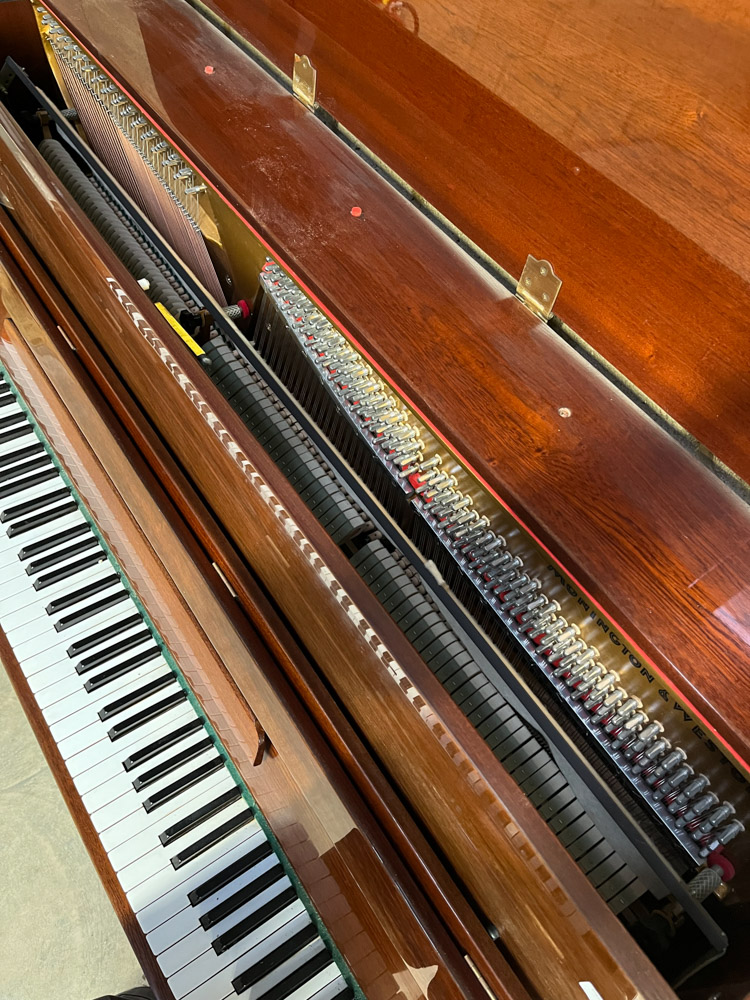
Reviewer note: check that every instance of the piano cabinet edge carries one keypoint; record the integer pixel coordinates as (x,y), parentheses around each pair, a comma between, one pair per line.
(543,883)
(406,932)
(85,827)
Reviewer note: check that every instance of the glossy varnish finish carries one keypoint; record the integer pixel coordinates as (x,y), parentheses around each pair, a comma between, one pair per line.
(511,864)
(390,812)
(657,540)
(369,904)
(610,138)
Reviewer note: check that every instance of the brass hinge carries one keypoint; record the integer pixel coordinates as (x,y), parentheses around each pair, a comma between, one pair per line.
(304,80)
(538,287)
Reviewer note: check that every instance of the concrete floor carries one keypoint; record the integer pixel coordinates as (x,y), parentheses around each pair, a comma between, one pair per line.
(59,937)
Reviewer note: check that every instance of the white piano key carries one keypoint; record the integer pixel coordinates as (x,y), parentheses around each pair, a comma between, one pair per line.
(27,597)
(23,617)
(156,858)
(290,965)
(129,800)
(12,547)
(120,781)
(138,833)
(56,655)
(210,975)
(36,652)
(185,948)
(82,745)
(81,708)
(187,920)
(160,897)
(331,989)
(66,665)
(69,682)
(91,768)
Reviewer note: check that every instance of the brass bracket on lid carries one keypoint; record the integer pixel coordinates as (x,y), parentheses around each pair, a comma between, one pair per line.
(304,80)
(538,287)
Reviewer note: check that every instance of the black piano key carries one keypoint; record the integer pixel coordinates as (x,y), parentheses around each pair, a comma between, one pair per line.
(6,399)
(133,722)
(69,569)
(14,457)
(62,555)
(109,652)
(133,697)
(212,917)
(120,669)
(250,923)
(52,541)
(76,596)
(188,823)
(296,978)
(144,754)
(29,506)
(256,919)
(89,610)
(108,632)
(230,873)
(16,432)
(286,950)
(37,520)
(9,472)
(12,419)
(172,763)
(18,485)
(214,837)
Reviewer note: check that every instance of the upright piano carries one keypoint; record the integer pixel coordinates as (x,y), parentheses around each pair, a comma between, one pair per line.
(374,384)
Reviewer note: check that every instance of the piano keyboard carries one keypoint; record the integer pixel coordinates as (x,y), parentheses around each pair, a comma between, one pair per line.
(217,901)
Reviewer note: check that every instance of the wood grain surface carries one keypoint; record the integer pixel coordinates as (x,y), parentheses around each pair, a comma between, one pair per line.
(644,527)
(369,904)
(610,138)
(510,862)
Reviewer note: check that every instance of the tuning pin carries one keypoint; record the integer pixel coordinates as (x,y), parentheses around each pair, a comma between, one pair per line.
(629,731)
(646,736)
(670,762)
(600,691)
(647,761)
(668,789)
(610,704)
(624,712)
(690,790)
(696,808)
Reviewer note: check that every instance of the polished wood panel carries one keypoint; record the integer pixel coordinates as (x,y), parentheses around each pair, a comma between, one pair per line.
(391,815)
(610,138)
(509,861)
(654,537)
(370,905)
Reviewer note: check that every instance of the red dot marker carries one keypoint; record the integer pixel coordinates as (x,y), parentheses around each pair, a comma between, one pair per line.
(208,70)
(356,211)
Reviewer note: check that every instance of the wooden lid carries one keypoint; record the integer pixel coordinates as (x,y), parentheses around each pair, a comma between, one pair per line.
(610,139)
